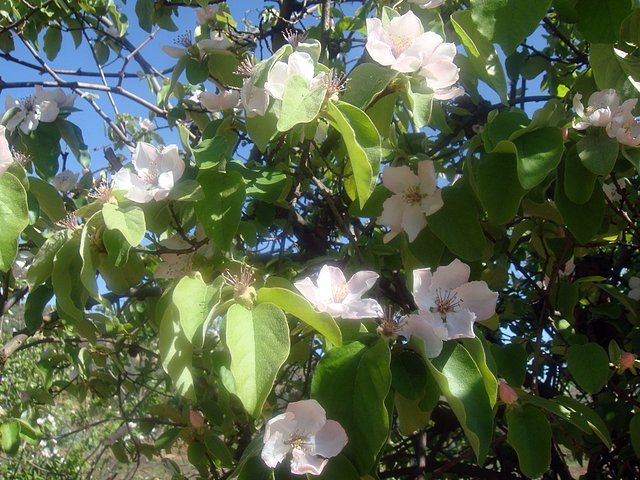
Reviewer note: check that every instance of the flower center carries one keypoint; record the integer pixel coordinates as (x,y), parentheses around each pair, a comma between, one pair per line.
(340,293)
(400,43)
(184,40)
(28,103)
(446,302)
(299,441)
(412,195)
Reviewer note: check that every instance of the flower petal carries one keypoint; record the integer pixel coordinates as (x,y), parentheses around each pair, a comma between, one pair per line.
(359,309)
(413,221)
(330,440)
(460,324)
(302,463)
(422,292)
(331,283)
(477,297)
(360,282)
(429,328)
(398,179)
(309,416)
(451,276)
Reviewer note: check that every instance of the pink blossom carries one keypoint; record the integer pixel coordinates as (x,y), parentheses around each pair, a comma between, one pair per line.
(333,294)
(415,196)
(196,419)
(304,431)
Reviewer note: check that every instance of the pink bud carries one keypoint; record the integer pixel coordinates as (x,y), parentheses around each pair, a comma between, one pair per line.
(627,359)
(565,135)
(196,419)
(507,394)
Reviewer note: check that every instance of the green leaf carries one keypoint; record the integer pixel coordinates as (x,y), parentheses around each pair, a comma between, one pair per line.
(363,145)
(583,220)
(634,433)
(575,409)
(262,129)
(539,153)
(14,217)
(498,188)
(176,352)
(42,264)
(530,435)
(129,221)
(49,200)
(614,68)
(220,211)
(72,135)
(501,126)
(589,366)
(411,417)
(299,307)
(508,22)
(10,437)
(482,54)
(264,184)
(578,181)
(300,103)
(37,300)
(461,382)
(360,373)
(421,105)
(89,257)
(197,71)
(258,342)
(43,147)
(409,376)
(65,278)
(339,467)
(52,42)
(511,360)
(459,214)
(365,82)
(144,12)
(600,21)
(195,302)
(598,154)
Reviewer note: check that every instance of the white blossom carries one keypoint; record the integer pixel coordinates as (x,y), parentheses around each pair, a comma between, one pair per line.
(65,180)
(6,158)
(221,101)
(255,100)
(448,305)
(333,294)
(600,110)
(304,431)
(156,171)
(415,196)
(298,63)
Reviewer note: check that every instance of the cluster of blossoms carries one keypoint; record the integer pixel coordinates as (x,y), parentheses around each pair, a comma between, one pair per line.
(44,106)
(403,45)
(448,303)
(605,110)
(183,45)
(414,197)
(156,171)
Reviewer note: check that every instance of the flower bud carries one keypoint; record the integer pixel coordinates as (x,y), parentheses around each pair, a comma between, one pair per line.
(507,394)
(196,419)
(627,359)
